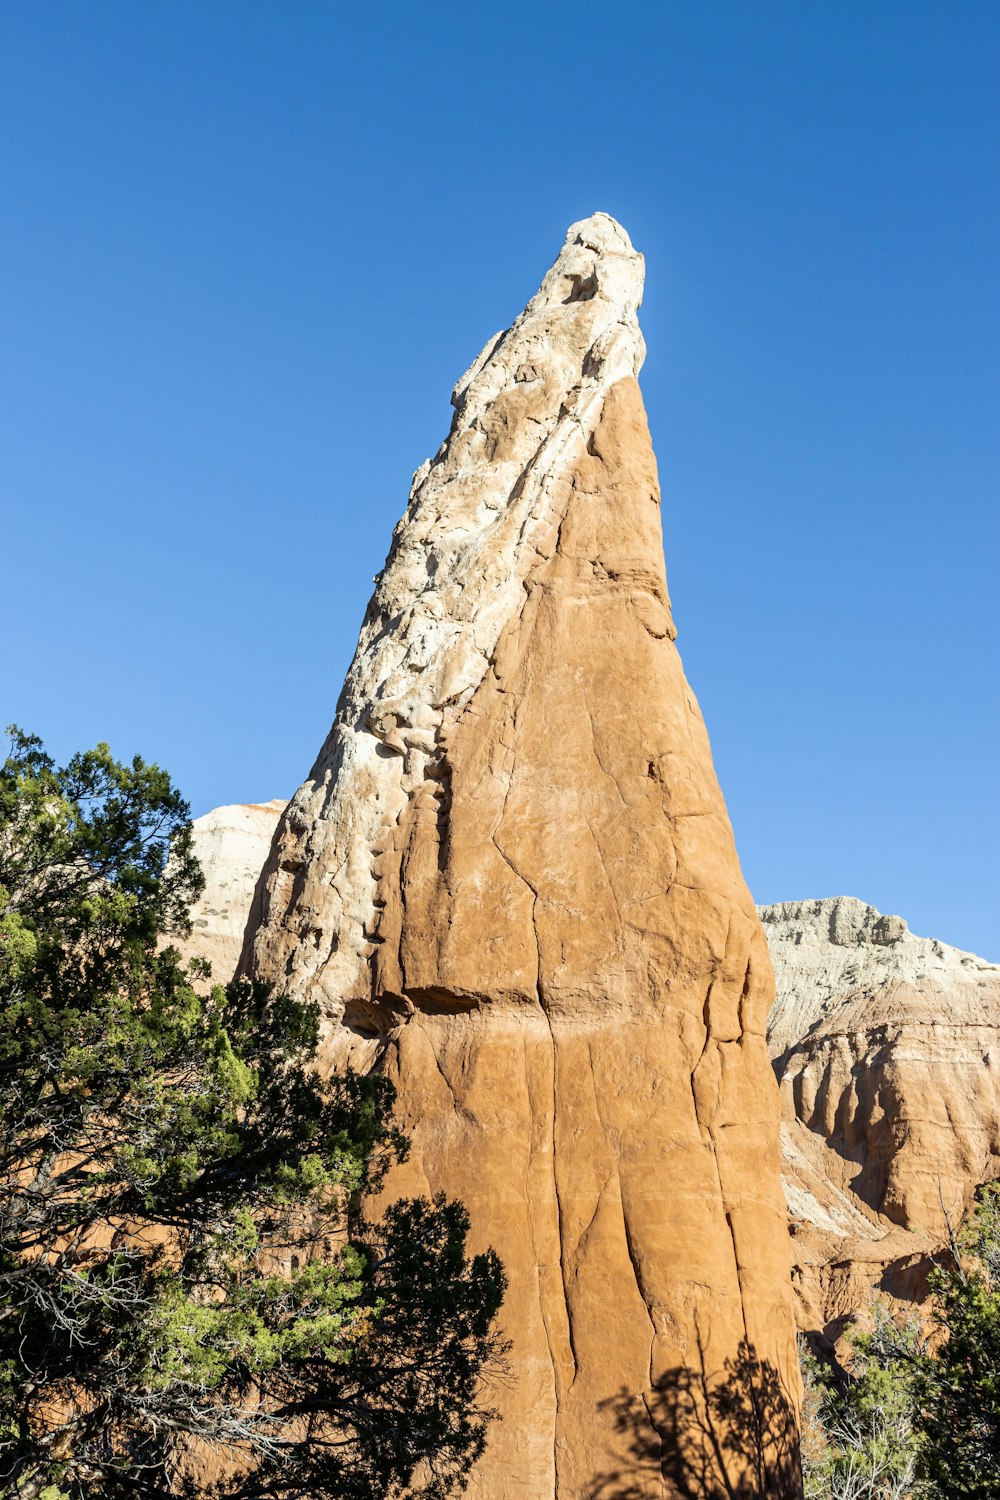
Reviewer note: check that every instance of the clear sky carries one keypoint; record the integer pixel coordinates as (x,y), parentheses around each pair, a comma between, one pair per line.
(246,248)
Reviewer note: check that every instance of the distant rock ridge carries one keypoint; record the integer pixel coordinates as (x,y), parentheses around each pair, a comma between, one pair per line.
(829,950)
(887,1050)
(510,882)
(231,844)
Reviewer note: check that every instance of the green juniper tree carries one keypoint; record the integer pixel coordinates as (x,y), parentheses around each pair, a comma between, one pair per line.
(918,1417)
(959,1389)
(184,1286)
(859,1436)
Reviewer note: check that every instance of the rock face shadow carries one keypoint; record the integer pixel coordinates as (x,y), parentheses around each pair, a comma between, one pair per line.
(728,1435)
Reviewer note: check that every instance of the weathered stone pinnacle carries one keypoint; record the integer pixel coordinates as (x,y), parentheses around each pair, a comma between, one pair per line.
(510,881)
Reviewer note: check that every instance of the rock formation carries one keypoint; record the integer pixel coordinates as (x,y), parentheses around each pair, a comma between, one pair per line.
(886,1045)
(887,1049)
(510,881)
(232,844)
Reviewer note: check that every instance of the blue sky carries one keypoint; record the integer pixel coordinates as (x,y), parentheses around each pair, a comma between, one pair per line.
(246,248)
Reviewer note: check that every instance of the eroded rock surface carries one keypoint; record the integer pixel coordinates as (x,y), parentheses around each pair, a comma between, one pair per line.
(887,1048)
(510,881)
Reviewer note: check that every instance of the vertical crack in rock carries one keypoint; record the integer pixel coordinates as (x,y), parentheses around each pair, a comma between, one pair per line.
(538,1260)
(512,852)
(550,1333)
(553,1125)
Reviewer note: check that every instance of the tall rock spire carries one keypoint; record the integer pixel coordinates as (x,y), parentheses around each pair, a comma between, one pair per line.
(510,881)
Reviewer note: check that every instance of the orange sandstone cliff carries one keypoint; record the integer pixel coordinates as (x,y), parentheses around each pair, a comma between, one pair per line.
(511,883)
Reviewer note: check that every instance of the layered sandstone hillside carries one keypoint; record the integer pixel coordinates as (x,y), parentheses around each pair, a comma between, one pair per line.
(887,1049)
(510,882)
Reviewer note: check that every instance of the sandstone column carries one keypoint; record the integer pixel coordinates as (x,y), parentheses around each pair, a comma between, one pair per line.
(510,880)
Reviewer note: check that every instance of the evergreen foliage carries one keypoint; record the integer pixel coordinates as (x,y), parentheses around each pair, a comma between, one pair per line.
(859,1437)
(918,1418)
(185,1285)
(960,1386)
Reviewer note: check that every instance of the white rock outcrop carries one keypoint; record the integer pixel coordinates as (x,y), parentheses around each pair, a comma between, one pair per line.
(839,962)
(232,844)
